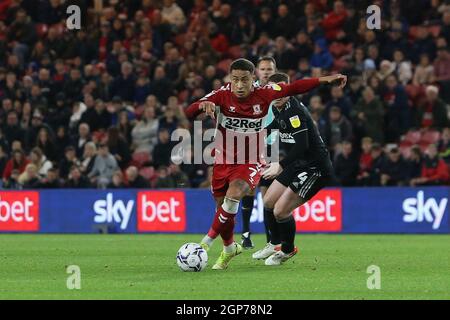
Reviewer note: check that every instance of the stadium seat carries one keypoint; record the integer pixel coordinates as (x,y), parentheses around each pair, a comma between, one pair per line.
(140,158)
(412,137)
(224,65)
(435,30)
(430,136)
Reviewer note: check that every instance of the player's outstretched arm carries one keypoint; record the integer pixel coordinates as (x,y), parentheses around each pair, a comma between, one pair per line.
(304,85)
(206,104)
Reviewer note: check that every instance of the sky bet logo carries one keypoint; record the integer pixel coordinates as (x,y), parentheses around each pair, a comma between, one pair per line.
(19,211)
(156,211)
(420,209)
(110,211)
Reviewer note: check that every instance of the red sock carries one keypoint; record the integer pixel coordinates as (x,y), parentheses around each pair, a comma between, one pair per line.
(223,224)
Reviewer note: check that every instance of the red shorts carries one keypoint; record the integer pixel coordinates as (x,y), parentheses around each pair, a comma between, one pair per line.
(223,174)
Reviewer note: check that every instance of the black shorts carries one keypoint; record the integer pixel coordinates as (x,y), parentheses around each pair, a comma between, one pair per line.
(305,181)
(265,183)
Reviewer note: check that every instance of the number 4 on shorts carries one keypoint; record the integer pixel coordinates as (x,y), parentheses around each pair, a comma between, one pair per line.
(302,177)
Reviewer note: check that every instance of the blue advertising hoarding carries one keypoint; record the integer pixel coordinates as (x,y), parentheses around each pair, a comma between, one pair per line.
(341,210)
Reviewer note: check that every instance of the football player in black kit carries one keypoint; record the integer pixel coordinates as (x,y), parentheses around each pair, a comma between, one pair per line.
(298,177)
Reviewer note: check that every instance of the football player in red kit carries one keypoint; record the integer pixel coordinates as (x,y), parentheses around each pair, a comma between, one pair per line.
(241,108)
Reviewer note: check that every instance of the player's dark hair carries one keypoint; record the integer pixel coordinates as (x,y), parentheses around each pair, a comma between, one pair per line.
(242,64)
(279,77)
(266,58)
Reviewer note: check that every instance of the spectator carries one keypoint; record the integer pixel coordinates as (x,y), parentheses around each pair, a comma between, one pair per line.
(346,165)
(338,99)
(395,172)
(3,158)
(98,118)
(173,14)
(13,181)
(118,147)
(321,58)
(284,23)
(117,181)
(180,178)
(135,180)
(378,163)
(124,85)
(163,150)
(338,128)
(82,138)
(432,112)
(88,159)
(145,133)
(434,169)
(41,162)
(69,160)
(415,164)
(368,115)
(46,144)
(161,87)
(51,181)
(284,55)
(164,181)
(442,71)
(365,162)
(77,180)
(398,111)
(424,71)
(12,130)
(18,162)
(334,21)
(104,167)
(29,178)
(444,145)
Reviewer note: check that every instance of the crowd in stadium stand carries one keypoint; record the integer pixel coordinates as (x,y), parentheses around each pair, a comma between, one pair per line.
(96,107)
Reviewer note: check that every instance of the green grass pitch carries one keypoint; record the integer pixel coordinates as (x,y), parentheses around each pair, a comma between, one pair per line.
(144,267)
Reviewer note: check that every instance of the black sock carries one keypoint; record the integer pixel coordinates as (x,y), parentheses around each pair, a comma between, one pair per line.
(273,234)
(247,208)
(287,232)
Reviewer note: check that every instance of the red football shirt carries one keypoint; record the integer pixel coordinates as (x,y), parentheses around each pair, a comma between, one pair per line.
(240,120)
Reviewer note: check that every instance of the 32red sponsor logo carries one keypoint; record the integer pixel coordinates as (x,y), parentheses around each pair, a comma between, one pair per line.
(321,213)
(19,211)
(161,211)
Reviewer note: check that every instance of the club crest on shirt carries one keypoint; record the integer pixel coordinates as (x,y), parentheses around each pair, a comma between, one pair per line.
(275,87)
(295,121)
(257,109)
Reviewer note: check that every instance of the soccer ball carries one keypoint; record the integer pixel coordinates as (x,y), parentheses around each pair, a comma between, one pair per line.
(192,257)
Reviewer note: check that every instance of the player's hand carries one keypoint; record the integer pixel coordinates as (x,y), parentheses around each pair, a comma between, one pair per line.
(336,79)
(272,171)
(208,107)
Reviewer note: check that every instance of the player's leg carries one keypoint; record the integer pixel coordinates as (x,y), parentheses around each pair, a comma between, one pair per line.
(283,208)
(219,185)
(274,192)
(263,187)
(302,188)
(237,189)
(247,208)
(212,234)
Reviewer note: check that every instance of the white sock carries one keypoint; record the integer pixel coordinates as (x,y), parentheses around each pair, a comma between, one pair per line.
(208,240)
(229,249)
